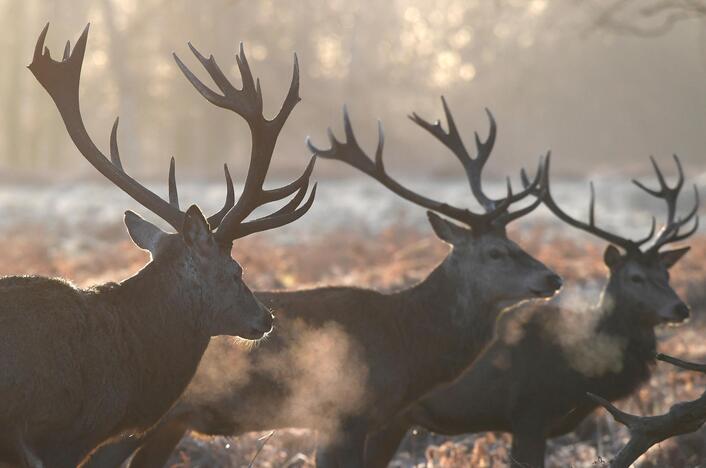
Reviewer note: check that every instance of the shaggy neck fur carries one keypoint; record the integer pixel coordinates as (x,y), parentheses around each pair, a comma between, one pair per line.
(159,337)
(624,320)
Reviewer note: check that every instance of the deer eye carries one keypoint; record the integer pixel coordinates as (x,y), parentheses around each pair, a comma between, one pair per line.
(637,279)
(495,254)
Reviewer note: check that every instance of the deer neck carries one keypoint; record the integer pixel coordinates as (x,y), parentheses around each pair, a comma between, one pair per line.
(621,319)
(449,323)
(164,341)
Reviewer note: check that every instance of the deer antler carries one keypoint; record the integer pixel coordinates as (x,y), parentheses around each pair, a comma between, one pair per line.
(247,103)
(473,166)
(61,80)
(670,231)
(496,213)
(646,431)
(546,195)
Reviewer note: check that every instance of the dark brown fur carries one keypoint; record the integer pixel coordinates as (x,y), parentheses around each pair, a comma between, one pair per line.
(532,380)
(399,345)
(80,366)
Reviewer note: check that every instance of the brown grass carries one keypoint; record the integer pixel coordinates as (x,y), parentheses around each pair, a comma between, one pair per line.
(390,260)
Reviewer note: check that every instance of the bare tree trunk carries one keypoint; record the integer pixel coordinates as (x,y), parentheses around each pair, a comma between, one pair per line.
(127,102)
(14,69)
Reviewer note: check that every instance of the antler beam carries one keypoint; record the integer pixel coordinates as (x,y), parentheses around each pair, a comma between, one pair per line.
(496,211)
(61,80)
(590,227)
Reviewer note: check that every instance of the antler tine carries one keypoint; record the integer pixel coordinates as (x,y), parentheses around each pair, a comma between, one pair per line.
(590,227)
(507,218)
(248,103)
(496,209)
(350,152)
(114,151)
(677,236)
(653,228)
(669,194)
(279,218)
(670,232)
(592,205)
(61,80)
(67,51)
(622,417)
(529,188)
(689,233)
(452,140)
(483,153)
(215,220)
(173,193)
(534,186)
(288,213)
(692,366)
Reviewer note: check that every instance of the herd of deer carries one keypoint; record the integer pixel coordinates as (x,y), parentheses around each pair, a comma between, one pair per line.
(119,372)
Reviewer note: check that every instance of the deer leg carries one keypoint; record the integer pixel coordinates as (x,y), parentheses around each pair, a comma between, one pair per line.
(347,451)
(158,445)
(30,459)
(528,448)
(381,446)
(22,454)
(326,456)
(114,454)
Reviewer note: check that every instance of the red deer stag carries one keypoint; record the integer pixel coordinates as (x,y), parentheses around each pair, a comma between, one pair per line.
(388,349)
(82,366)
(533,378)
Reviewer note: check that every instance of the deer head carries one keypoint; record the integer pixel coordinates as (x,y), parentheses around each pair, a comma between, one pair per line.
(481,251)
(639,277)
(196,260)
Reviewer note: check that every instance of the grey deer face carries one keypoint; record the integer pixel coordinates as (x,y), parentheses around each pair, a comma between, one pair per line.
(208,270)
(497,266)
(641,282)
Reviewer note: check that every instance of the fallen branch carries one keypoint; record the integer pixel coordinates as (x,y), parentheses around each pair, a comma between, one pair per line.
(265,439)
(646,431)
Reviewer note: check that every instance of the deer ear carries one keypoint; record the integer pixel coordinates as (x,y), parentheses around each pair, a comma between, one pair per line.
(446,230)
(143,233)
(196,229)
(671,257)
(612,256)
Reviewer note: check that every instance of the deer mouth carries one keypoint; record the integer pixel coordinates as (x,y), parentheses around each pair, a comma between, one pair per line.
(254,333)
(676,314)
(674,321)
(543,292)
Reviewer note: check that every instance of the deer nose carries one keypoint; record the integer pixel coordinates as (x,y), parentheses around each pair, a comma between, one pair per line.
(554,281)
(265,323)
(681,311)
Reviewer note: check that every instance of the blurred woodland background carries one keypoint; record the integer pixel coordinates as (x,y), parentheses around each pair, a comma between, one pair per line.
(603,83)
